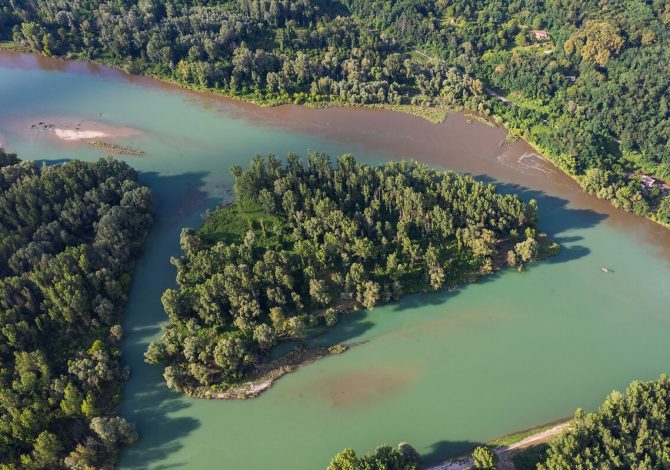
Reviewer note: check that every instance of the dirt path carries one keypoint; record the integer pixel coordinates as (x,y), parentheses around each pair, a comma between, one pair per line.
(465,461)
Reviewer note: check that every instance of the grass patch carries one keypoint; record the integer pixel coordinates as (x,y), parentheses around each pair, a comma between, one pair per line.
(13,46)
(475,117)
(519,436)
(435,115)
(230,224)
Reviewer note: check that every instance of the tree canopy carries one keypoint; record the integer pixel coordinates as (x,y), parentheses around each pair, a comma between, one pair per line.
(385,457)
(630,430)
(68,236)
(303,243)
(585,81)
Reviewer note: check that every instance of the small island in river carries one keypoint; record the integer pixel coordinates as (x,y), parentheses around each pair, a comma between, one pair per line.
(304,244)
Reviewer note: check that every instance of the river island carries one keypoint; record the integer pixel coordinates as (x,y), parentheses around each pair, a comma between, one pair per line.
(303,244)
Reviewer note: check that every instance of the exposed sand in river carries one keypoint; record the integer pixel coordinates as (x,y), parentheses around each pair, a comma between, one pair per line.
(74,134)
(66,131)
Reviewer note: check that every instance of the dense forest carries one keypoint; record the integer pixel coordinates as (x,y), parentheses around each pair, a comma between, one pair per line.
(585,81)
(630,431)
(69,234)
(305,242)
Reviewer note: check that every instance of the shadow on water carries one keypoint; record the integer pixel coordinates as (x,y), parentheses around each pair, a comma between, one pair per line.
(179,202)
(440,449)
(350,327)
(160,433)
(421,299)
(148,403)
(555,218)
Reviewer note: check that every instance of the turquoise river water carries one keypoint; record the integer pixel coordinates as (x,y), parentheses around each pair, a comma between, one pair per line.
(441,371)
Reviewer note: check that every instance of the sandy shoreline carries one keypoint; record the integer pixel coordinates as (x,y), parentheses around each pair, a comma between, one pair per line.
(465,461)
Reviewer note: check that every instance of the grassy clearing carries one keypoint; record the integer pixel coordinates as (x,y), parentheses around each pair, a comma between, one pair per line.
(230,224)
(475,117)
(433,114)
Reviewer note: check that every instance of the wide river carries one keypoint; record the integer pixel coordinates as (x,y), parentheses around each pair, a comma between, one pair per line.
(440,371)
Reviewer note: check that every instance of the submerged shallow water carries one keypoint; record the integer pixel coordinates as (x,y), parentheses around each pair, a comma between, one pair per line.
(441,371)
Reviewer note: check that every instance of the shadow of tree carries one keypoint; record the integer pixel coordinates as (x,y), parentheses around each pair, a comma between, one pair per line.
(350,326)
(179,203)
(160,433)
(556,217)
(147,401)
(441,450)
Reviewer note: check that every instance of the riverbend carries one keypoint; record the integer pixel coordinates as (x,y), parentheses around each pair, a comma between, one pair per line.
(442,371)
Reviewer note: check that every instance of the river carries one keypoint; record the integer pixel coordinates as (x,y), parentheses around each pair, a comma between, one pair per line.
(440,371)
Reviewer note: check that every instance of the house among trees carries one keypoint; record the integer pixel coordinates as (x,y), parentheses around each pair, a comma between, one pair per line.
(540,34)
(649,182)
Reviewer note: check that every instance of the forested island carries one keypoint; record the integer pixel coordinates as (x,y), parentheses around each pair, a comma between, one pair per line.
(304,243)
(69,235)
(629,430)
(585,82)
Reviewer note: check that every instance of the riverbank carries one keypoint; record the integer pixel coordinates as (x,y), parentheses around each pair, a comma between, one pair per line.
(505,448)
(442,348)
(435,114)
(267,374)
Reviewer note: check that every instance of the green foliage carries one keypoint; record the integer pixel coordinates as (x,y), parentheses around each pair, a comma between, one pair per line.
(594,95)
(404,457)
(231,224)
(630,430)
(663,213)
(304,242)
(68,234)
(529,458)
(484,458)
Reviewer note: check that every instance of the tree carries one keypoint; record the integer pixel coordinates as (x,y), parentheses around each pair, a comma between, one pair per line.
(484,458)
(47,449)
(114,430)
(72,400)
(368,294)
(345,460)
(259,272)
(628,431)
(526,250)
(318,292)
(66,258)
(265,336)
(385,457)
(231,355)
(663,212)
(599,41)
(520,39)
